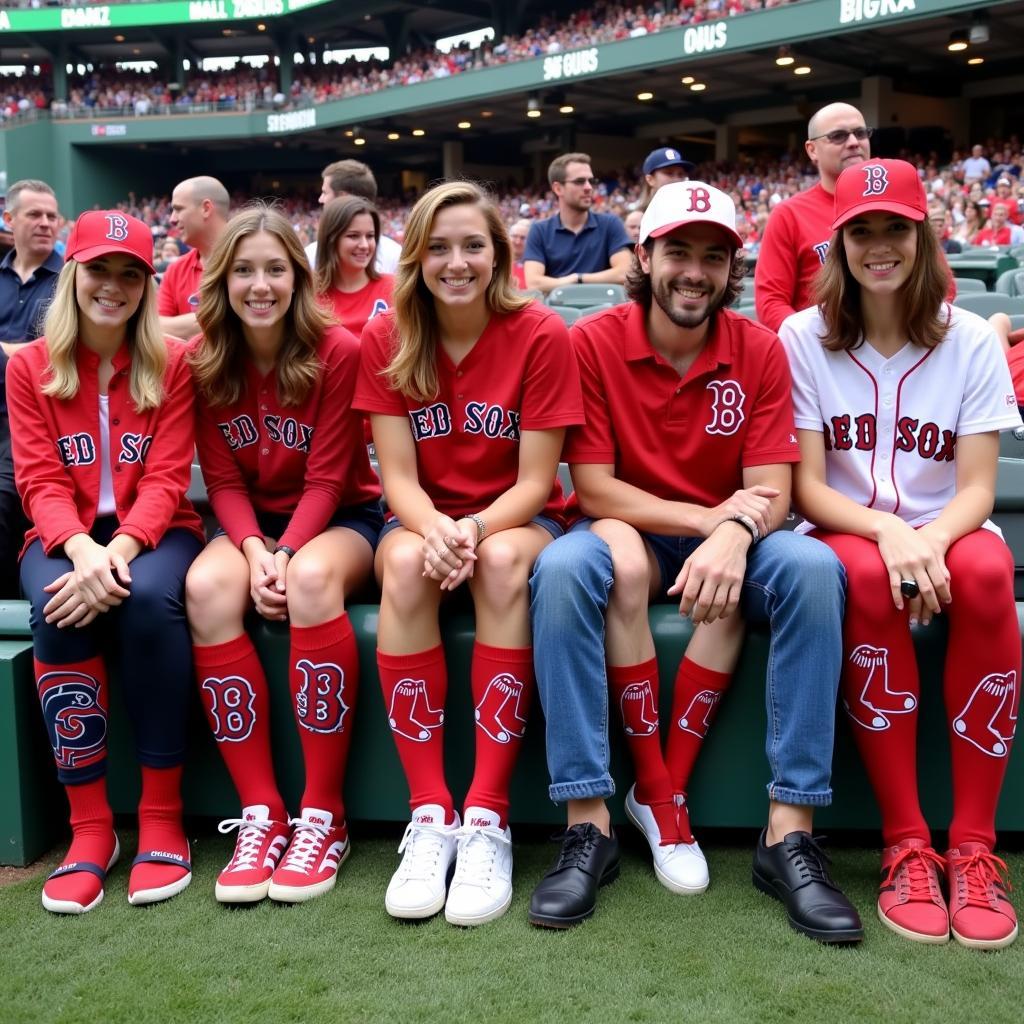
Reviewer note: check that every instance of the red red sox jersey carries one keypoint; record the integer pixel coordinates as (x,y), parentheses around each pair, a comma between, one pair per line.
(520,375)
(682,438)
(355,309)
(179,287)
(56,448)
(793,249)
(305,461)
(890,426)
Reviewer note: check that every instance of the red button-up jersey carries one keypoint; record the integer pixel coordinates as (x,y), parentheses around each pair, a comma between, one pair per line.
(56,447)
(305,461)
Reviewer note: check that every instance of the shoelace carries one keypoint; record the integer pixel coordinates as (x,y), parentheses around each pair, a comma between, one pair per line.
(307,842)
(478,848)
(979,872)
(922,882)
(810,859)
(250,839)
(576,843)
(425,845)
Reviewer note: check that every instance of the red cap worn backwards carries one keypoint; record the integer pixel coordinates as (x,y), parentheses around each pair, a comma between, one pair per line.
(100,232)
(892,186)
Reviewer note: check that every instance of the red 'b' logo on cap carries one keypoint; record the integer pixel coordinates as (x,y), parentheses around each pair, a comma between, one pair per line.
(117,228)
(876,180)
(700,200)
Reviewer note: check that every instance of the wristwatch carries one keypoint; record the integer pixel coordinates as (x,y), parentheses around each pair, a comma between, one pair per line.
(481,526)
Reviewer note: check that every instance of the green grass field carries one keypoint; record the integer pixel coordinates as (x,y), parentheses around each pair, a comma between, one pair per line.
(646,956)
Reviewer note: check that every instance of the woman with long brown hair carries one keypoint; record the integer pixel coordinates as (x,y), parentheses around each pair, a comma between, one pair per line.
(298,505)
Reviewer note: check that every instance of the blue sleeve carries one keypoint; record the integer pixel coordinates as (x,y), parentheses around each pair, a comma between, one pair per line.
(535,245)
(617,237)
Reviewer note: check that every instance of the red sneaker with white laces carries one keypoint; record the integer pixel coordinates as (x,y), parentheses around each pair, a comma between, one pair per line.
(910,898)
(260,845)
(980,913)
(310,867)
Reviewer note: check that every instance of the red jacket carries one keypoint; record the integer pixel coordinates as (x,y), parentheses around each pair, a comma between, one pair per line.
(56,447)
(304,461)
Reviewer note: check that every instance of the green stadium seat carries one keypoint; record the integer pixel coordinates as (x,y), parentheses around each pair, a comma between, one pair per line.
(1010,282)
(583,295)
(967,285)
(596,308)
(985,304)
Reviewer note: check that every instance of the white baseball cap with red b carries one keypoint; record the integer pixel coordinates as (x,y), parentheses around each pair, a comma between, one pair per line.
(688,202)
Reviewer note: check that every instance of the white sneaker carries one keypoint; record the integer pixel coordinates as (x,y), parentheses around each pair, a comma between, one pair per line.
(417,889)
(680,867)
(482,887)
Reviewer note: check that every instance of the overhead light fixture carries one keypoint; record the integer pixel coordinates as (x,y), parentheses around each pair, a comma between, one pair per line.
(487,113)
(976,60)
(359,141)
(698,87)
(349,133)
(566,108)
(465,124)
(261,27)
(804,69)
(979,31)
(688,80)
(418,132)
(118,39)
(392,136)
(784,57)
(533,107)
(958,41)
(643,97)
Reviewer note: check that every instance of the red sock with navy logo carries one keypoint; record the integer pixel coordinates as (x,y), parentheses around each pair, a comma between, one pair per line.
(634,688)
(698,691)
(502,682)
(324,679)
(161,832)
(92,840)
(415,688)
(233,689)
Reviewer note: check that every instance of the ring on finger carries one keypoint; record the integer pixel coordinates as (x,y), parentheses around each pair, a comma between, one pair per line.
(909,588)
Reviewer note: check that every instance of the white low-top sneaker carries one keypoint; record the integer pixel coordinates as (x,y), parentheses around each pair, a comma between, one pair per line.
(482,887)
(417,889)
(680,867)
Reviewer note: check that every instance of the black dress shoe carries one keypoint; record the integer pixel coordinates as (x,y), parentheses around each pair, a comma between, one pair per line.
(795,872)
(567,894)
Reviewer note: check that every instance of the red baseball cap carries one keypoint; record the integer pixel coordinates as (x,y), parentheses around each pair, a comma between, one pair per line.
(893,186)
(99,232)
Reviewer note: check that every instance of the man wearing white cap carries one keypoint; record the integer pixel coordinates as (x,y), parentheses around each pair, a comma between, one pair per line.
(682,472)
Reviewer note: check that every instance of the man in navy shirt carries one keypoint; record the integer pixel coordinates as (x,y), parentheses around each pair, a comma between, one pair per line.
(576,245)
(28,275)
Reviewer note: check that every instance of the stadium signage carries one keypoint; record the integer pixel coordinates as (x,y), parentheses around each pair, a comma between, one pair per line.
(109,131)
(864,10)
(293,121)
(701,38)
(85,17)
(570,65)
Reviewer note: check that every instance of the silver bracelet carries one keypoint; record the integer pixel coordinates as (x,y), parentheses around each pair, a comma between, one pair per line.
(481,526)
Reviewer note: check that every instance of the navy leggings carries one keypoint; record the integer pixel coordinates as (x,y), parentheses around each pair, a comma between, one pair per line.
(145,638)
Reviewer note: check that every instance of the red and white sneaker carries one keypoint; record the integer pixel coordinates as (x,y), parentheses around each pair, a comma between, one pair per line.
(980,913)
(910,897)
(260,845)
(310,867)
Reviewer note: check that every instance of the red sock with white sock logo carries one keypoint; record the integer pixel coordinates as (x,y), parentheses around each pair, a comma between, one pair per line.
(634,688)
(698,691)
(415,687)
(503,684)
(92,840)
(324,679)
(982,681)
(160,830)
(233,689)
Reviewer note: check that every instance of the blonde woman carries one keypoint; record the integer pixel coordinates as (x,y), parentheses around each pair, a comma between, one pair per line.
(298,504)
(102,427)
(470,388)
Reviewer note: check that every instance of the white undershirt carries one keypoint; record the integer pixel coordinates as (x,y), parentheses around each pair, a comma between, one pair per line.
(107,504)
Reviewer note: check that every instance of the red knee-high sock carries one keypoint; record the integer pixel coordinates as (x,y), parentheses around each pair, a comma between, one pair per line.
(698,691)
(982,681)
(324,679)
(234,692)
(160,829)
(73,698)
(415,687)
(503,684)
(880,688)
(634,688)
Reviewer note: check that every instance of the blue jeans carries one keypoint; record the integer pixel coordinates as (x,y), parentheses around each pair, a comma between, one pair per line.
(794,583)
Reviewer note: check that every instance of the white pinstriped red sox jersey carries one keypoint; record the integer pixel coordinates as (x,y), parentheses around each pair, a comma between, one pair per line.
(891,425)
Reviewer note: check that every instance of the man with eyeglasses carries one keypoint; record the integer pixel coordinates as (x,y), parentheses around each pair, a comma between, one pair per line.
(576,245)
(796,238)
